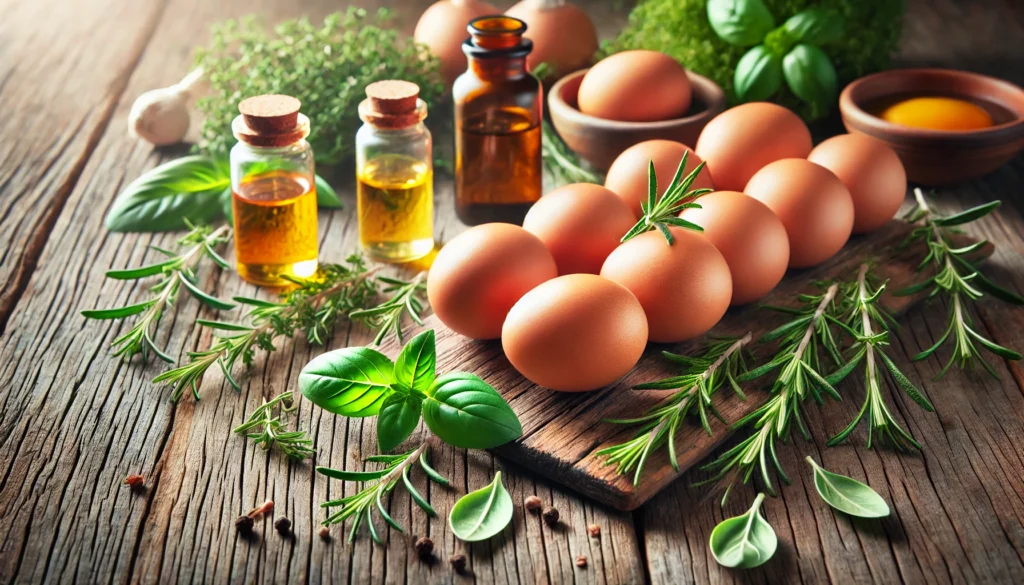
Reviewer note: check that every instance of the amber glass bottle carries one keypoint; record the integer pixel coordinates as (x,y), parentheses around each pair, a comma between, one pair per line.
(273,194)
(497,125)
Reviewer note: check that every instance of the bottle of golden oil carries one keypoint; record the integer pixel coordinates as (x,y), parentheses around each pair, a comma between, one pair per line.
(394,172)
(497,125)
(273,194)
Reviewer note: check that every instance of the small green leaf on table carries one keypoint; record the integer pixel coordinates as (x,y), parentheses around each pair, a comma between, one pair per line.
(481,514)
(746,541)
(847,494)
(351,382)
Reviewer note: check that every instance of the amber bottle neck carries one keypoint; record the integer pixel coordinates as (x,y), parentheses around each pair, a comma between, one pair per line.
(498,68)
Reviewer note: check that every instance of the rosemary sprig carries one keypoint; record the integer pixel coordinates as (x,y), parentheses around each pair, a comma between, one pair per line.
(562,162)
(959,280)
(360,505)
(179,269)
(661,213)
(313,307)
(798,365)
(406,297)
(721,361)
(294,444)
(868,323)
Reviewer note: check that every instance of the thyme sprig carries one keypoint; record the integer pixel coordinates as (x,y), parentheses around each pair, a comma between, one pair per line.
(661,213)
(312,307)
(360,505)
(177,270)
(561,162)
(720,363)
(868,323)
(959,280)
(405,297)
(798,364)
(272,431)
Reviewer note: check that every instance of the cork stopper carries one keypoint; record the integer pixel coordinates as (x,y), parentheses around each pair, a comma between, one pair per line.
(392,104)
(270,120)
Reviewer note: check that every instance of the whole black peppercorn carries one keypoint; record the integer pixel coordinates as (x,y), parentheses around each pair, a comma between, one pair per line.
(283,526)
(550,515)
(424,547)
(458,563)
(244,525)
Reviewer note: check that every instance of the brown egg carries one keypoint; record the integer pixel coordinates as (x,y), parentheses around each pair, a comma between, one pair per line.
(442,28)
(740,141)
(482,272)
(812,203)
(684,288)
(636,86)
(871,171)
(563,35)
(627,176)
(750,237)
(575,333)
(580,224)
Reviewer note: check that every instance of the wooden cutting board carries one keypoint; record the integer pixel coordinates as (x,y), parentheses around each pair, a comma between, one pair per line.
(562,431)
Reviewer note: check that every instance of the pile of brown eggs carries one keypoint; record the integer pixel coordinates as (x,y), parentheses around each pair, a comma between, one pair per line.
(574,307)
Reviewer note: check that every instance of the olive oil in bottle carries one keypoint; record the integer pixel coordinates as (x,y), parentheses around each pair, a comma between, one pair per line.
(394,173)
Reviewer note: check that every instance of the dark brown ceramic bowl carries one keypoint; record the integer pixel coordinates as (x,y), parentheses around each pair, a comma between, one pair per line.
(939,157)
(599,141)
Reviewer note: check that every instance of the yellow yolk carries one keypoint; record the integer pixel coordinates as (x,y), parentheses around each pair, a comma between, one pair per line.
(938,113)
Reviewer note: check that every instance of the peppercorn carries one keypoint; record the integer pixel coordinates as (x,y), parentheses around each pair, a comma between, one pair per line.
(533,503)
(581,561)
(424,548)
(550,515)
(458,563)
(135,482)
(594,530)
(325,533)
(283,526)
(244,525)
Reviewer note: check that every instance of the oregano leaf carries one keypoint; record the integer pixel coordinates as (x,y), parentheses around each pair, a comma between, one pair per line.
(483,513)
(746,541)
(847,494)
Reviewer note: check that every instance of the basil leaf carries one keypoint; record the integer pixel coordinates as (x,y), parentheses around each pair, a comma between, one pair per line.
(758,75)
(397,419)
(740,22)
(163,198)
(351,382)
(326,196)
(811,77)
(481,514)
(463,411)
(744,542)
(816,26)
(416,365)
(847,494)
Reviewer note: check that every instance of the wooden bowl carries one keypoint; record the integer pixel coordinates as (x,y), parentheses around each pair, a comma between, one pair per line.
(599,141)
(939,157)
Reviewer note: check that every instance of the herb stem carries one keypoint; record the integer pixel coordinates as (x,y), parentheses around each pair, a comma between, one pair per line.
(818,313)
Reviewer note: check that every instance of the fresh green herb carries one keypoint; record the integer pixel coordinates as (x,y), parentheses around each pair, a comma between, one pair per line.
(661,213)
(561,162)
(798,366)
(461,409)
(177,270)
(312,307)
(405,298)
(168,197)
(846,494)
(721,362)
(360,505)
(959,280)
(868,323)
(268,431)
(744,542)
(481,514)
(326,67)
(714,44)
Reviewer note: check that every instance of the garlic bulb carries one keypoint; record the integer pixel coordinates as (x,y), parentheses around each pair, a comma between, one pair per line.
(160,116)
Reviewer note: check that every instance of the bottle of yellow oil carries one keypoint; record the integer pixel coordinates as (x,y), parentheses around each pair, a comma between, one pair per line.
(394,170)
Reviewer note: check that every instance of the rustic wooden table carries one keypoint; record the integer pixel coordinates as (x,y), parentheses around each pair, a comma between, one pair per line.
(74,422)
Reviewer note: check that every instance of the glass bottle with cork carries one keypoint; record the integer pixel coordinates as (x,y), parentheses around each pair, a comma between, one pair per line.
(273,194)
(394,172)
(497,125)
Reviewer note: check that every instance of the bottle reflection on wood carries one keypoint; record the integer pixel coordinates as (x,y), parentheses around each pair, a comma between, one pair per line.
(498,133)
